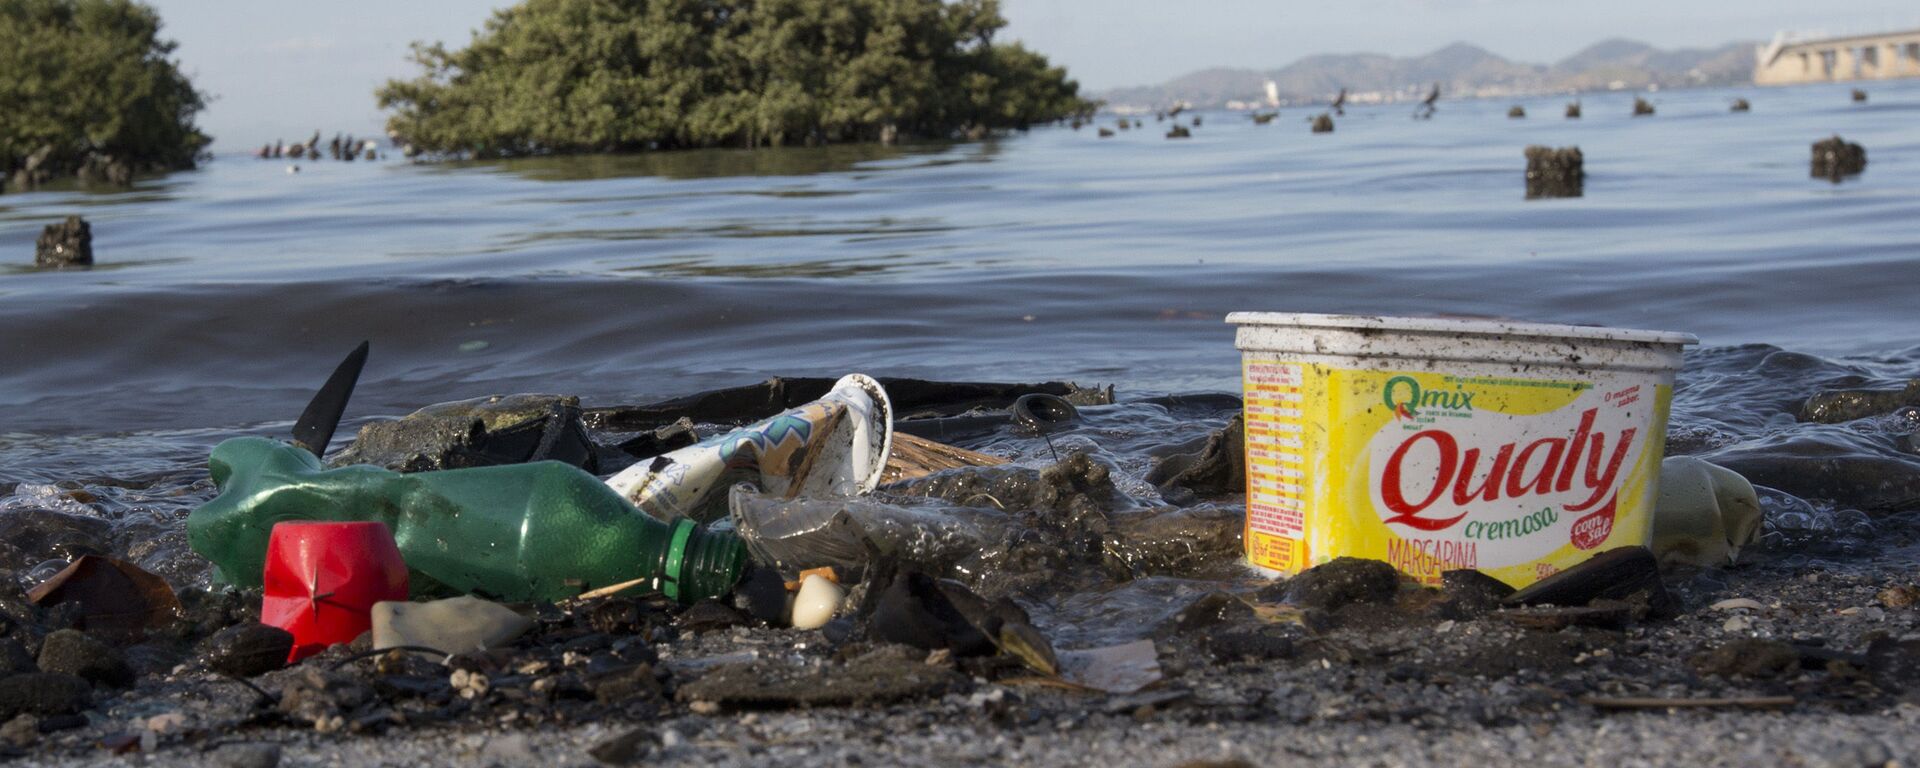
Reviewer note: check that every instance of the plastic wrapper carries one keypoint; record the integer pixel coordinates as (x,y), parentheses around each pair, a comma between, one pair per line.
(847,534)
(836,446)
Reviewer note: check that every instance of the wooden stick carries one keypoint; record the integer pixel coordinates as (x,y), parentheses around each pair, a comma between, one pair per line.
(918,457)
(609,590)
(1753,702)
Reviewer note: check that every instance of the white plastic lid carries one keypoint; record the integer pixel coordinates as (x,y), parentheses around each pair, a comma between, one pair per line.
(1458,325)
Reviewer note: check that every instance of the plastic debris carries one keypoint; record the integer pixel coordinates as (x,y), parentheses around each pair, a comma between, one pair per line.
(848,534)
(1115,669)
(481,432)
(918,457)
(1704,515)
(544,531)
(322,580)
(835,446)
(452,626)
(819,597)
(116,598)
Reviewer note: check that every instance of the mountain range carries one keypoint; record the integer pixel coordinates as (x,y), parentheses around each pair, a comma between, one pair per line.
(1461,69)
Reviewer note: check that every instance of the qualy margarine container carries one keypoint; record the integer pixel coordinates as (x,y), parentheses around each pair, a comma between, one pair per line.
(1514,449)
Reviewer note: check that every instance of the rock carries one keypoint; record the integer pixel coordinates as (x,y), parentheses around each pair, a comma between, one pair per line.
(481,432)
(1894,663)
(636,681)
(1749,657)
(1841,406)
(913,610)
(1604,614)
(1555,172)
(1859,96)
(1705,513)
(884,675)
(1211,610)
(72,652)
(246,755)
(14,658)
(1516,112)
(1179,132)
(1740,105)
(43,693)
(1106,133)
(628,748)
(452,626)
(1904,596)
(1344,580)
(1250,644)
(1641,107)
(1220,466)
(815,604)
(1468,594)
(1835,159)
(762,594)
(1573,111)
(313,695)
(246,650)
(708,616)
(1323,123)
(67,244)
(22,731)
(1627,573)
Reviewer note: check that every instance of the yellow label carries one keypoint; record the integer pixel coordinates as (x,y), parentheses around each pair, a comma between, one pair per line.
(1511,475)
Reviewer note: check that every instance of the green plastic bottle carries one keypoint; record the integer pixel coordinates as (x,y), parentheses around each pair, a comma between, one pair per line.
(539,531)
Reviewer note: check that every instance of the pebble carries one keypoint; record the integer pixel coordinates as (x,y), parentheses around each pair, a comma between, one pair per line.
(1737,624)
(248,755)
(1738,603)
(166,722)
(43,693)
(246,650)
(21,731)
(72,652)
(1899,597)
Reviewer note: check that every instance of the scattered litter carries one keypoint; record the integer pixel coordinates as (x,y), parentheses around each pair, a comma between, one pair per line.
(452,626)
(818,599)
(1704,515)
(463,529)
(1121,668)
(115,597)
(835,446)
(1738,604)
(322,580)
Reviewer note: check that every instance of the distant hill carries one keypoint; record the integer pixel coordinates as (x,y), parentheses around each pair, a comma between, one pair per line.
(1460,69)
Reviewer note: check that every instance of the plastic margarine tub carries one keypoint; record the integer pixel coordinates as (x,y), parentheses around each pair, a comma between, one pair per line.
(1514,449)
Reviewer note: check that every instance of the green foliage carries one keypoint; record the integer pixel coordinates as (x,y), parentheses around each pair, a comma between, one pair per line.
(88,86)
(557,76)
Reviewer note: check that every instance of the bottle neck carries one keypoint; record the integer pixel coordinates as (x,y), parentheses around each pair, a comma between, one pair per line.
(699,563)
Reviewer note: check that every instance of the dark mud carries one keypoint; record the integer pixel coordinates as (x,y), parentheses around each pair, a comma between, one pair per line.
(1808,644)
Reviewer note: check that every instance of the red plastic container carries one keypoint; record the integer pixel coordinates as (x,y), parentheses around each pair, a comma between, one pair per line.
(322,580)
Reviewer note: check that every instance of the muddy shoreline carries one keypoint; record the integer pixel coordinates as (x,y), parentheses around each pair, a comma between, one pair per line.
(1807,652)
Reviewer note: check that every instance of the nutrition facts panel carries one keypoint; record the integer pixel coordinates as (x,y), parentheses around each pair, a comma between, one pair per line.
(1276,455)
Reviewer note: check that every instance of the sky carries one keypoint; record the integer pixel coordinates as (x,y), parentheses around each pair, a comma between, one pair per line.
(281,70)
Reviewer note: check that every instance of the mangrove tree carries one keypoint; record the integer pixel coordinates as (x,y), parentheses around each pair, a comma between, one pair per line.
(563,76)
(87,87)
